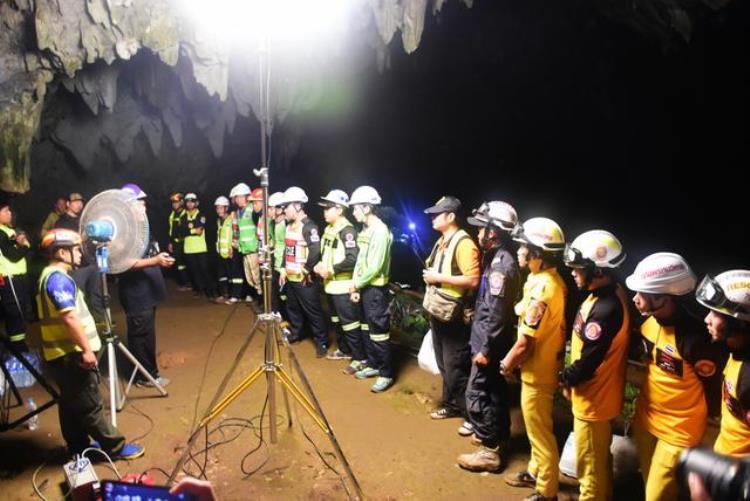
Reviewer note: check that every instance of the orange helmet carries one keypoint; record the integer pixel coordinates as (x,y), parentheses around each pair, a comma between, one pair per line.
(175,197)
(60,237)
(256,195)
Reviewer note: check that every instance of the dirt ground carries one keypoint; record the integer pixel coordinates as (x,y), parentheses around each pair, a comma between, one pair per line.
(395,450)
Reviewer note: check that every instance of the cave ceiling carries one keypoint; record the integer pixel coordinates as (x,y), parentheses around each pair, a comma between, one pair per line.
(142,72)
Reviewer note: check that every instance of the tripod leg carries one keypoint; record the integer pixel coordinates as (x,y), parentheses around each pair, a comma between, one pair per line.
(212,405)
(279,345)
(327,427)
(114,387)
(140,368)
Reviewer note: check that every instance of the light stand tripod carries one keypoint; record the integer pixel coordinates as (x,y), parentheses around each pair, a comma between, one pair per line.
(270,321)
(11,387)
(5,406)
(116,394)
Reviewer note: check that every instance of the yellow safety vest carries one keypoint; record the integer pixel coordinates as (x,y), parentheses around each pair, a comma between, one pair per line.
(8,267)
(443,260)
(224,237)
(248,242)
(333,252)
(56,341)
(174,221)
(734,435)
(195,244)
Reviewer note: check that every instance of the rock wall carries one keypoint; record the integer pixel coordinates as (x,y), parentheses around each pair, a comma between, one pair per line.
(84,46)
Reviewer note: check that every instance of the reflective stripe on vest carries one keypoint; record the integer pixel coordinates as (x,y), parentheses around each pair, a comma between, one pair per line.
(195,244)
(8,267)
(333,253)
(248,242)
(174,218)
(448,266)
(56,341)
(279,234)
(295,253)
(224,237)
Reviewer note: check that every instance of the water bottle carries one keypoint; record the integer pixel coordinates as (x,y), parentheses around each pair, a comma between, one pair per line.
(13,367)
(33,422)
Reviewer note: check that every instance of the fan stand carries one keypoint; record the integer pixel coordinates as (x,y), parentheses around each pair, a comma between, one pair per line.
(117,396)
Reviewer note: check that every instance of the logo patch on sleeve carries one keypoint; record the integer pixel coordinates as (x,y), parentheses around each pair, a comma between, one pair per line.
(705,368)
(593,331)
(314,237)
(497,283)
(534,313)
(349,241)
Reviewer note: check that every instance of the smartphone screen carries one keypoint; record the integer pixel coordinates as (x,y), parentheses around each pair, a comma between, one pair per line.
(125,491)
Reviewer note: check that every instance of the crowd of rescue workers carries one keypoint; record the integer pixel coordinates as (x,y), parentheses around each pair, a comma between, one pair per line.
(497,318)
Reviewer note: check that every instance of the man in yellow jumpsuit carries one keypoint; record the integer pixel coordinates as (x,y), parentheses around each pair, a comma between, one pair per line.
(539,351)
(728,297)
(671,411)
(595,379)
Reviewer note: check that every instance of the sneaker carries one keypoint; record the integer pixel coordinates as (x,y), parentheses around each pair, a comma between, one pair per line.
(219,300)
(381,384)
(483,459)
(466,429)
(232,300)
(367,372)
(129,452)
(521,479)
(320,351)
(354,367)
(444,413)
(538,497)
(184,288)
(475,440)
(338,355)
(248,299)
(145,383)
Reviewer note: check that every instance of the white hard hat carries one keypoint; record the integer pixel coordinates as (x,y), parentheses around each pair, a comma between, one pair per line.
(335,197)
(598,248)
(222,200)
(497,213)
(240,189)
(191,196)
(365,195)
(728,293)
(662,273)
(276,199)
(541,232)
(295,194)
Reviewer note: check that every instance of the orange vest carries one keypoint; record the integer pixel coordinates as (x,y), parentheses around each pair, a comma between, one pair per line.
(600,398)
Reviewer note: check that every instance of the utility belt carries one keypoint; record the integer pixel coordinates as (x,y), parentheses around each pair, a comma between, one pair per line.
(445,307)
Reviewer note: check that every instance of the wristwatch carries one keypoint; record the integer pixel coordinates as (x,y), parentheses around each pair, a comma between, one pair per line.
(503,370)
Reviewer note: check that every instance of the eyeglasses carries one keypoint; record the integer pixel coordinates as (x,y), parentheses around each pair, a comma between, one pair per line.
(711,294)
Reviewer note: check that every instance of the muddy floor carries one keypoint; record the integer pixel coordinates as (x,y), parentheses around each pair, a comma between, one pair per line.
(394,449)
